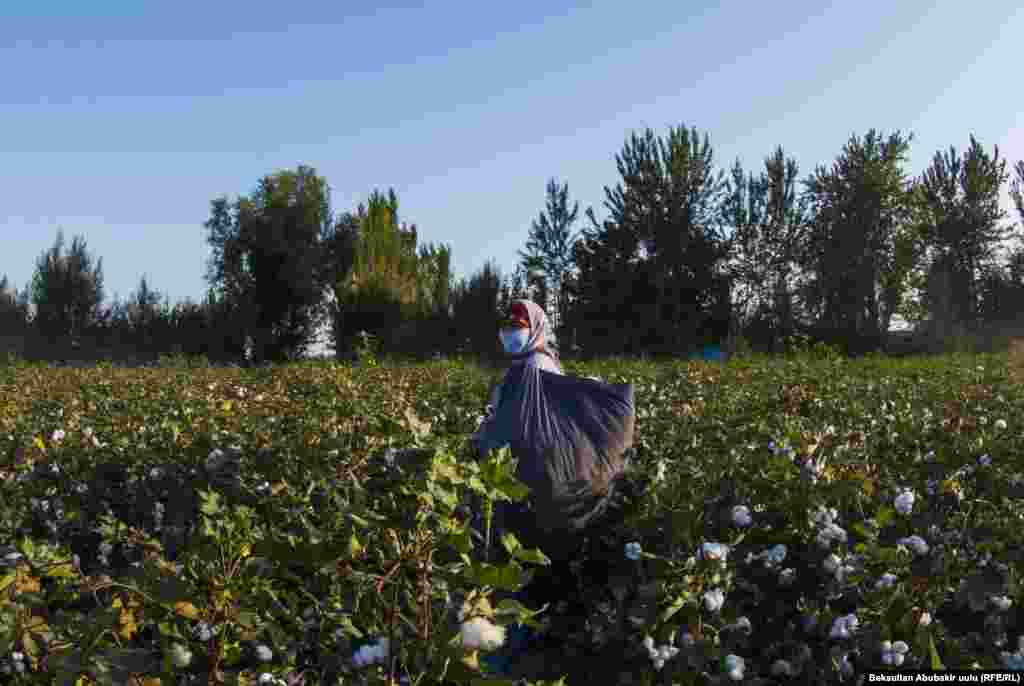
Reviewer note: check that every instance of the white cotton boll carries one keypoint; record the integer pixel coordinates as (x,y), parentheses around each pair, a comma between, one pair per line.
(832,563)
(1001,424)
(713,551)
(832,533)
(743,624)
(904,502)
(648,643)
(480,633)
(886,581)
(633,551)
(825,516)
(181,656)
(215,460)
(667,652)
(776,554)
(735,666)
(713,600)
(844,627)
(741,516)
(845,666)
(915,543)
(1001,602)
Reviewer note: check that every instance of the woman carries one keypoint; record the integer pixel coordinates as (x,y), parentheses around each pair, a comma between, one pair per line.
(526,336)
(570,437)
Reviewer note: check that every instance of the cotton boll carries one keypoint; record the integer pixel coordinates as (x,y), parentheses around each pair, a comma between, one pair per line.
(1002,603)
(480,633)
(713,600)
(713,551)
(741,516)
(735,666)
(844,627)
(904,502)
(885,581)
(915,543)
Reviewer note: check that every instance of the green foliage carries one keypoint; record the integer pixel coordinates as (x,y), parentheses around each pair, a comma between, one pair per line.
(858,205)
(282,525)
(66,289)
(549,251)
(271,262)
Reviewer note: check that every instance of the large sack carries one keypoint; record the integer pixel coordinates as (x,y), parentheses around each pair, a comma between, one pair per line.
(570,436)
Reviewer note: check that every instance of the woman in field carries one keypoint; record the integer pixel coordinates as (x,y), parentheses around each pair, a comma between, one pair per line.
(570,436)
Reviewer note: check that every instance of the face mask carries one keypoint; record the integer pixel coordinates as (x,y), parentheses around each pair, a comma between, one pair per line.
(514,340)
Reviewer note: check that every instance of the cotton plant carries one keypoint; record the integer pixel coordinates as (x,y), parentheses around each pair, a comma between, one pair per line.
(894,654)
(887,580)
(915,543)
(1015,661)
(734,666)
(714,552)
(828,531)
(772,557)
(838,567)
(714,600)
(904,502)
(741,517)
(844,627)
(659,655)
(479,633)
(373,653)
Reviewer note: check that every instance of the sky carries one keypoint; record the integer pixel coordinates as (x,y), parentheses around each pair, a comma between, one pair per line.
(120,121)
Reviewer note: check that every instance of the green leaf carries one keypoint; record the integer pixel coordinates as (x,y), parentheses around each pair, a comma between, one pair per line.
(248,619)
(933,655)
(355,548)
(461,540)
(210,502)
(349,628)
(674,607)
(531,555)
(511,543)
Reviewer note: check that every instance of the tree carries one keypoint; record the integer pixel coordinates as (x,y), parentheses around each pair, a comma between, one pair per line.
(769,219)
(380,283)
(142,310)
(957,204)
(435,279)
(1017,188)
(477,304)
(14,311)
(66,289)
(269,260)
(857,268)
(549,249)
(660,248)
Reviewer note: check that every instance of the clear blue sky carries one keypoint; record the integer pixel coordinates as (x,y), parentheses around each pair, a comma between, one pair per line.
(122,123)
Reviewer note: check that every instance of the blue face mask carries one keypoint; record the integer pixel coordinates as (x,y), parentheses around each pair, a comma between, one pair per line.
(514,340)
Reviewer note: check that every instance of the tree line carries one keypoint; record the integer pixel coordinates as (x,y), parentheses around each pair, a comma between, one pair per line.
(687,253)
